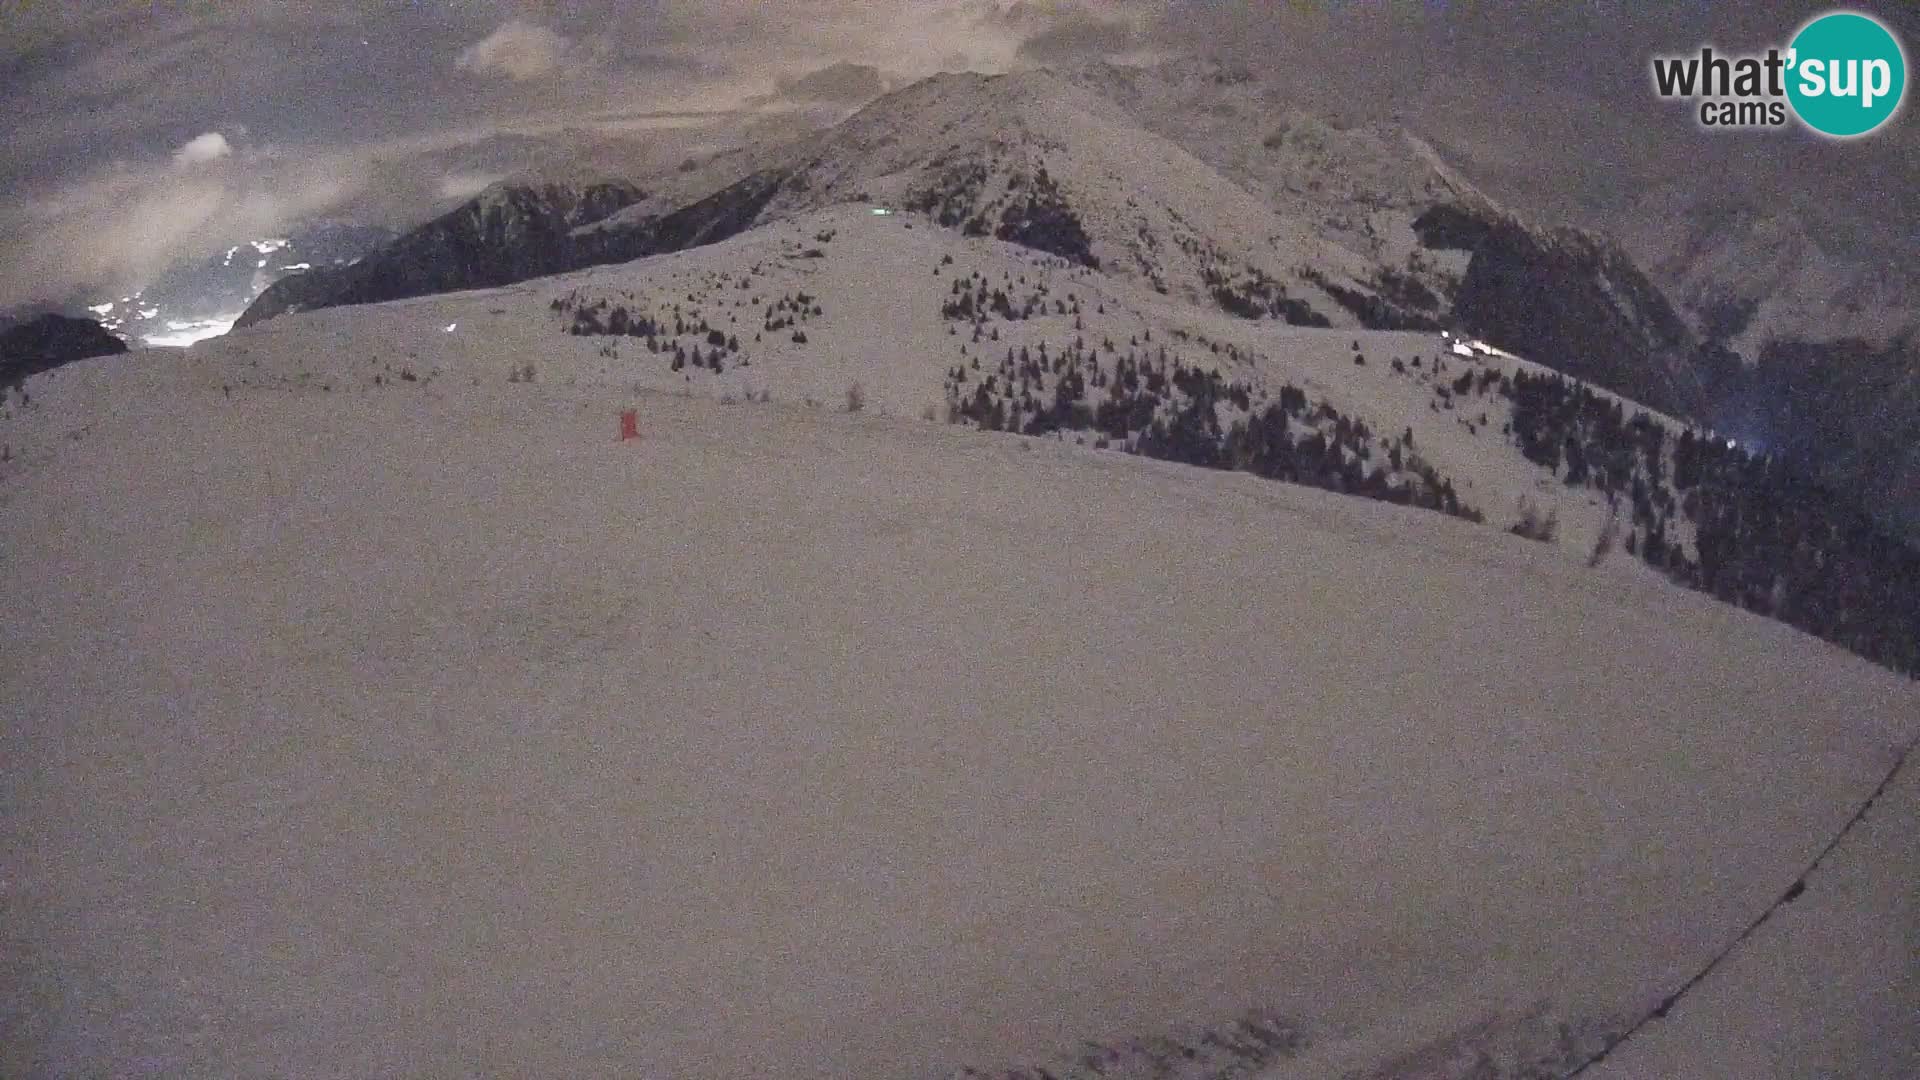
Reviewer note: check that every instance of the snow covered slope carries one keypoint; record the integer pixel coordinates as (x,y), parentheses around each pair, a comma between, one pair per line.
(375,710)
(1827,986)
(885,290)
(1181,179)
(931,323)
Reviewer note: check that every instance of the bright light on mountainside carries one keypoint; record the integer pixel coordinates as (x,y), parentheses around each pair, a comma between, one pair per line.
(179,333)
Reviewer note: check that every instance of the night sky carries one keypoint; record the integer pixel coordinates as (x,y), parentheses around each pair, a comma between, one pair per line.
(143,132)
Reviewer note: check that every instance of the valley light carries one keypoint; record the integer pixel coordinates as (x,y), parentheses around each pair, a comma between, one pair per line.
(181,333)
(450,326)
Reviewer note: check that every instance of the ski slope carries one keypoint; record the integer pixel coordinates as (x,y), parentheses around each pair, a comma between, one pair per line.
(424,728)
(880,283)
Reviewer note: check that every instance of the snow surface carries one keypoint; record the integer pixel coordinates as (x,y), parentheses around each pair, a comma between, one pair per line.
(1830,986)
(420,726)
(882,282)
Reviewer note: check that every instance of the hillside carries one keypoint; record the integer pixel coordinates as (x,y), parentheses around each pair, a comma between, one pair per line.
(1060,617)
(1031,158)
(49,341)
(1242,206)
(995,335)
(780,740)
(802,310)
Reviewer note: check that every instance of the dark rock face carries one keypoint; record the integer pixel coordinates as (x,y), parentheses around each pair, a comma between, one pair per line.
(726,213)
(49,341)
(516,233)
(498,238)
(1576,303)
(1449,227)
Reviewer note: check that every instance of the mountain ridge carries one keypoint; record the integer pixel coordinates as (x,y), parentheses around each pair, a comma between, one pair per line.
(51,341)
(1186,176)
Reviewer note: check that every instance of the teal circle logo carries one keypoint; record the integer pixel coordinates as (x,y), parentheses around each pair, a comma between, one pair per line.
(1847,74)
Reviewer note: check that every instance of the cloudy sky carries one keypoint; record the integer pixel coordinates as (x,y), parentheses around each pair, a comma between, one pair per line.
(140,131)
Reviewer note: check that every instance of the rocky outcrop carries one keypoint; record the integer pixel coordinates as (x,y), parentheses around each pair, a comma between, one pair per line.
(1453,226)
(49,341)
(726,213)
(515,232)
(506,234)
(1577,303)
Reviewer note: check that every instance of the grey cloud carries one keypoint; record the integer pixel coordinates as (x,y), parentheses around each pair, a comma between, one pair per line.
(121,224)
(377,103)
(1080,38)
(517,50)
(842,82)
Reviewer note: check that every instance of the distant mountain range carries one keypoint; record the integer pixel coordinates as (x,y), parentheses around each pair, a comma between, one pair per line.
(1199,181)
(1244,560)
(196,299)
(1259,211)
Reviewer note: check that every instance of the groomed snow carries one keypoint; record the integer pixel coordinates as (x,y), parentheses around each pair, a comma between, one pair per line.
(426,729)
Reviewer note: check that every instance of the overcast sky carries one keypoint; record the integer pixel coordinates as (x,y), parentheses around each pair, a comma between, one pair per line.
(142,131)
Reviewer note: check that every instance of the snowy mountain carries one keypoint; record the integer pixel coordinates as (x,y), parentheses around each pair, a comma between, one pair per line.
(197,299)
(510,232)
(1262,214)
(1361,185)
(994,334)
(811,734)
(1029,157)
(1078,600)
(1752,274)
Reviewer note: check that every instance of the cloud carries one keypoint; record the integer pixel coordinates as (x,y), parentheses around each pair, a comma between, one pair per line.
(200,149)
(123,223)
(852,84)
(465,185)
(622,85)
(1080,38)
(519,50)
